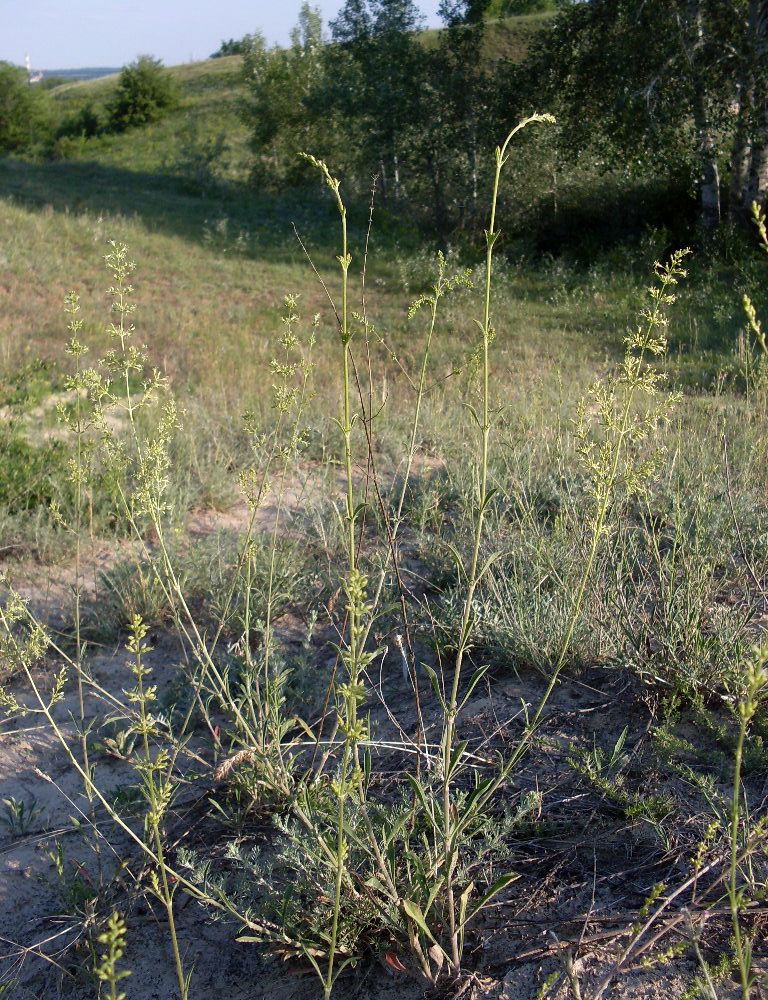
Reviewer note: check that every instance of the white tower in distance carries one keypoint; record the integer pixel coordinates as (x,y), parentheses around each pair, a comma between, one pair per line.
(32,79)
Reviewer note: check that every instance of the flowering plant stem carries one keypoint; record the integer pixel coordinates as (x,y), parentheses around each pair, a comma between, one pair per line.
(450,761)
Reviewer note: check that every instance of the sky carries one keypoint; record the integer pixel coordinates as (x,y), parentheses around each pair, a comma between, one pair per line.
(72,34)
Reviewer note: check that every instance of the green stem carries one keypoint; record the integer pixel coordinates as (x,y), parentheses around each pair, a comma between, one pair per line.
(450,845)
(79,430)
(349,701)
(156,806)
(341,851)
(733,895)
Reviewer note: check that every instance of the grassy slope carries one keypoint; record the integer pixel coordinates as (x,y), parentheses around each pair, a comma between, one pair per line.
(152,188)
(504,38)
(210,92)
(147,187)
(208,110)
(215,258)
(214,263)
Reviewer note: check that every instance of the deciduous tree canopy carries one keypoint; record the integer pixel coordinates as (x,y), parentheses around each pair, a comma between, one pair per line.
(670,89)
(144,93)
(24,115)
(683,81)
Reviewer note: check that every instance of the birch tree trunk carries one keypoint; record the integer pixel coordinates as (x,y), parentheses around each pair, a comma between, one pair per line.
(757,184)
(741,154)
(709,173)
(757,189)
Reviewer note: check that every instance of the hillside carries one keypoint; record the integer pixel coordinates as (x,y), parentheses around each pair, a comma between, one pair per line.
(204,137)
(505,38)
(205,121)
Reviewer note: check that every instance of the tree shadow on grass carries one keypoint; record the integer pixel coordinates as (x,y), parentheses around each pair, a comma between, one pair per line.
(234,217)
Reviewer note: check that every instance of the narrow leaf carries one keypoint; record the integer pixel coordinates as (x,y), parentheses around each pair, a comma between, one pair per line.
(420,794)
(488,497)
(456,754)
(413,911)
(473,413)
(464,902)
(435,682)
(476,678)
(391,959)
(458,560)
(498,886)
(358,510)
(487,564)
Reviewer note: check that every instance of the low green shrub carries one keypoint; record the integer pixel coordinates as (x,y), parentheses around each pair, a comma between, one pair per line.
(144,93)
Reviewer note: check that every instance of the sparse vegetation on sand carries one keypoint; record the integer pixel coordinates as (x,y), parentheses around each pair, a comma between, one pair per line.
(375,620)
(374,698)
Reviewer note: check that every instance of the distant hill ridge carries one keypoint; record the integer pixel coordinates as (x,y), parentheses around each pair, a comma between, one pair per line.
(505,37)
(85,73)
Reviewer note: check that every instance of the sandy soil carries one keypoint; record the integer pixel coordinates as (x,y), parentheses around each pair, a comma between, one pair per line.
(584,868)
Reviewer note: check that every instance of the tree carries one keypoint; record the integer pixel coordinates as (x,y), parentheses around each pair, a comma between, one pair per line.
(279,86)
(24,113)
(376,101)
(656,81)
(145,92)
(233,47)
(749,159)
(454,123)
(84,122)
(379,101)
(354,24)
(374,79)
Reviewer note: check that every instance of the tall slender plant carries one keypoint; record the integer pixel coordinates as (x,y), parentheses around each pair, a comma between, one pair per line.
(83,417)
(447,911)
